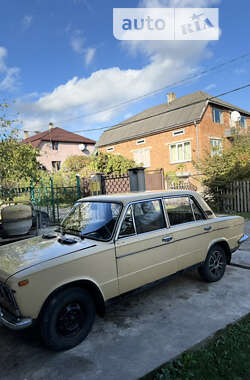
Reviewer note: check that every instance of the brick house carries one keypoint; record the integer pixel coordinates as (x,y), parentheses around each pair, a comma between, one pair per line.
(56,144)
(173,134)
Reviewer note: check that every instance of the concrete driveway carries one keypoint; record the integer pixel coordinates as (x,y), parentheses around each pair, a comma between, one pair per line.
(140,332)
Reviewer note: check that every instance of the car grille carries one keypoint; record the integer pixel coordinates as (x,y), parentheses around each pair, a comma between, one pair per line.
(7,299)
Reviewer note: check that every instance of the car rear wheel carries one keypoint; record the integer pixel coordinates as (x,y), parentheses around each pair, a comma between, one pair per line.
(214,266)
(67,319)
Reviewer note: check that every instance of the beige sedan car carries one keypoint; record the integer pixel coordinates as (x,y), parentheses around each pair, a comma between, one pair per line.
(108,246)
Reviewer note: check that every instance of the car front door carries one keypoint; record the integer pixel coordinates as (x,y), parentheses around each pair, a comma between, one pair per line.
(141,250)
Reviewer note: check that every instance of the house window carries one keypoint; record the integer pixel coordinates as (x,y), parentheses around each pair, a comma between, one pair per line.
(110,149)
(142,157)
(180,152)
(216,146)
(139,142)
(217,115)
(243,122)
(54,145)
(178,133)
(56,165)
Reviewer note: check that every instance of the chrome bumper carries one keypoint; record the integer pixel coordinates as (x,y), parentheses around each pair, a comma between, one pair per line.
(243,239)
(14,324)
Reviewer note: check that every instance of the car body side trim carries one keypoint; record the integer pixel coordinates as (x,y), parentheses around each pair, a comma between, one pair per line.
(171,242)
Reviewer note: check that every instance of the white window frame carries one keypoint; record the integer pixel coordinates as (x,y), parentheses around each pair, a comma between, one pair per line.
(143,150)
(221,115)
(243,126)
(110,149)
(140,141)
(180,143)
(213,153)
(178,133)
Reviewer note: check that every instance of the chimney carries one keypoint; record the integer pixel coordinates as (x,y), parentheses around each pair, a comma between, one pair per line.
(26,134)
(51,125)
(171,96)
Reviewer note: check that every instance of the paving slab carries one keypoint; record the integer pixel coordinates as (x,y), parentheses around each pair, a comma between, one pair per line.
(139,333)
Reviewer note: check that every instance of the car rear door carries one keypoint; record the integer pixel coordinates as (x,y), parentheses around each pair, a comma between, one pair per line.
(141,251)
(190,230)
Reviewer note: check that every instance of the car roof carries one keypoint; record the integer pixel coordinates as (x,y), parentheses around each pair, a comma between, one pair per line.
(137,196)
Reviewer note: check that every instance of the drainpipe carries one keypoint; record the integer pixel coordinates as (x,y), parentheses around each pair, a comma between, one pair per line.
(197,140)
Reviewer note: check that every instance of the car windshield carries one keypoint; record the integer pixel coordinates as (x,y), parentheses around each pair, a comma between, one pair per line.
(95,220)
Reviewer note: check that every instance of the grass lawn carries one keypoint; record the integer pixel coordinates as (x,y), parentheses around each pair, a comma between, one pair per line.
(225,356)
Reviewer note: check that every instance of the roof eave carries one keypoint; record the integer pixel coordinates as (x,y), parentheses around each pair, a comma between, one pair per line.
(150,133)
(228,107)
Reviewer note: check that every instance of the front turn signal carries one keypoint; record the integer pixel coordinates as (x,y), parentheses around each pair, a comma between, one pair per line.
(23,283)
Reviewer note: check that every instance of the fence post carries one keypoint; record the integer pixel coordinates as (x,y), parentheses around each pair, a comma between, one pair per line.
(32,192)
(137,179)
(78,186)
(52,198)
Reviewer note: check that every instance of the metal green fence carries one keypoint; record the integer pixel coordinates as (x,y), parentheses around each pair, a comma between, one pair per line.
(51,201)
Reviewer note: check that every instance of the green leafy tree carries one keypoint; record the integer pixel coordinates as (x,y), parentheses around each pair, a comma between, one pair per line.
(233,164)
(111,164)
(18,162)
(76,163)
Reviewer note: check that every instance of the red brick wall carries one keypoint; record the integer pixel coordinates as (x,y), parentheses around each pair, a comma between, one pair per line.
(159,148)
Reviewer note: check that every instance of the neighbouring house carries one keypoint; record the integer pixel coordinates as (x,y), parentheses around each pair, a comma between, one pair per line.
(56,144)
(174,134)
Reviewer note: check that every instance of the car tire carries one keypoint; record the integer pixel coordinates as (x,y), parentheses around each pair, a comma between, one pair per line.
(214,266)
(67,319)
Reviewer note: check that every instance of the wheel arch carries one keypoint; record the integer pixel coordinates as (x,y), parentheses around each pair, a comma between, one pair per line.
(224,244)
(85,284)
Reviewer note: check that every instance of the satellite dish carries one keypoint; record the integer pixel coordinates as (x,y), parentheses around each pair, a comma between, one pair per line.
(81,147)
(235,116)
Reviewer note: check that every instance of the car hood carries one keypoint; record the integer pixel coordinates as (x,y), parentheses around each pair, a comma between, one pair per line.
(26,253)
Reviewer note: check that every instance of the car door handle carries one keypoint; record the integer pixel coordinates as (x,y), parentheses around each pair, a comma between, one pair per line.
(167,239)
(207,228)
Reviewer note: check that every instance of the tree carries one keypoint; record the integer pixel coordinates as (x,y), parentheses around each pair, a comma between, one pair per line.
(232,165)
(17,161)
(111,164)
(76,163)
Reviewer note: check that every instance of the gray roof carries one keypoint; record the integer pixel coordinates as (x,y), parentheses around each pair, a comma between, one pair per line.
(181,111)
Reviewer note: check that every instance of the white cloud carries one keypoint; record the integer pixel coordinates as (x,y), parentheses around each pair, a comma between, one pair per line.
(167,62)
(9,76)
(89,55)
(77,42)
(26,21)
(210,87)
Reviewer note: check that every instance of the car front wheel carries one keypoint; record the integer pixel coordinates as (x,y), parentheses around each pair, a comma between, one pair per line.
(214,266)
(67,319)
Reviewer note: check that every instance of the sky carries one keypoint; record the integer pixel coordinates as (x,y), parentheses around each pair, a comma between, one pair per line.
(60,63)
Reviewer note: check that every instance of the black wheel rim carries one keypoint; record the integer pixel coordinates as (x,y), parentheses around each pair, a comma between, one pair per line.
(70,319)
(216,263)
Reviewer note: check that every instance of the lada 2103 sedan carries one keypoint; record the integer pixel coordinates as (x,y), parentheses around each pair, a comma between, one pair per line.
(108,246)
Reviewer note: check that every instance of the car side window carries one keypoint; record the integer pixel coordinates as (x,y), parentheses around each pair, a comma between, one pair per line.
(179,210)
(148,216)
(198,214)
(127,227)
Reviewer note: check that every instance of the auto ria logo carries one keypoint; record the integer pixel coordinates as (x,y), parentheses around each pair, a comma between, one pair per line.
(166,23)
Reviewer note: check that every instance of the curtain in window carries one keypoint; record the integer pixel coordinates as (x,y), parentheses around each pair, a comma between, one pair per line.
(173,155)
(187,151)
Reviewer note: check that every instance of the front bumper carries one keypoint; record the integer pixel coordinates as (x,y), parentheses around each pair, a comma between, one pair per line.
(13,323)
